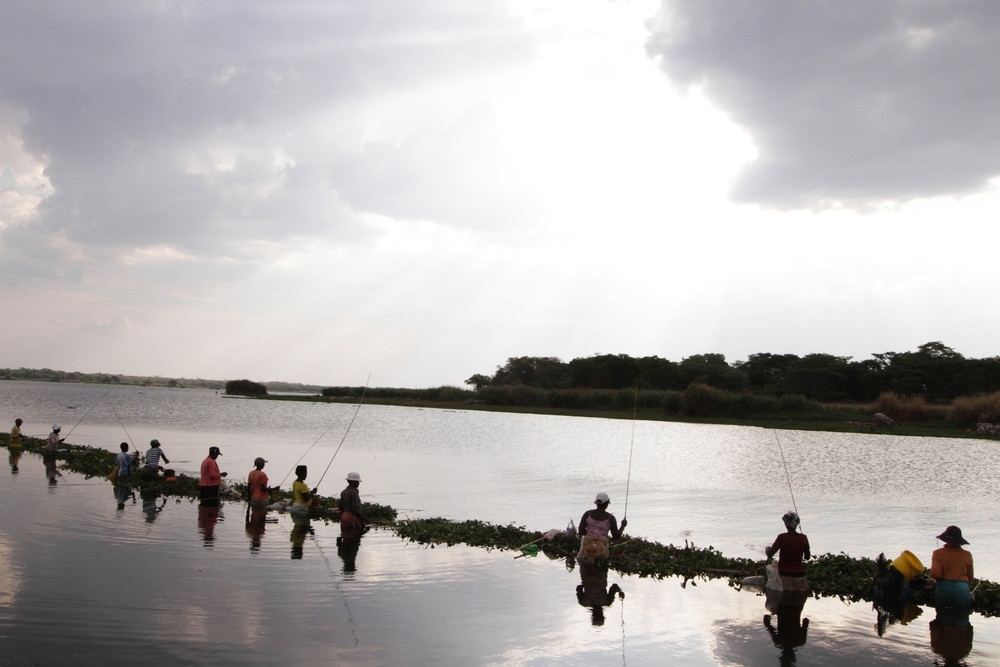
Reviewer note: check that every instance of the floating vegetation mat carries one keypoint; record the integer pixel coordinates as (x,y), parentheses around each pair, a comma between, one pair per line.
(96,462)
(841,576)
(830,575)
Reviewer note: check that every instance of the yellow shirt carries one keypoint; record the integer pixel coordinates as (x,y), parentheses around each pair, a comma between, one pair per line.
(15,437)
(300,490)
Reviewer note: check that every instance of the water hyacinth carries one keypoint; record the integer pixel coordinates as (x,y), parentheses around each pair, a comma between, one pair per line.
(842,576)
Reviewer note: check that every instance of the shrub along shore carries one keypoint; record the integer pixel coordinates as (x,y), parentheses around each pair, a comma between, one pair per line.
(699,404)
(841,576)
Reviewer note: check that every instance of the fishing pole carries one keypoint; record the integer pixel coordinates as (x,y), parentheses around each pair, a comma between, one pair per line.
(787,476)
(328,429)
(108,396)
(87,413)
(628,481)
(363,394)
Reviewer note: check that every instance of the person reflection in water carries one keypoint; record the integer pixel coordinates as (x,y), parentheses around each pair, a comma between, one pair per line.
(122,494)
(791,629)
(149,507)
(951,634)
(14,459)
(347,549)
(256,521)
(51,472)
(593,591)
(300,528)
(208,516)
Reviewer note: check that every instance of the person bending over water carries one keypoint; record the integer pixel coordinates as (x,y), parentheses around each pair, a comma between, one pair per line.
(595,525)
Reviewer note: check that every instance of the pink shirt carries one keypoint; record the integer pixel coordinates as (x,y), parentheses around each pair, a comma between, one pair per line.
(598,529)
(210,475)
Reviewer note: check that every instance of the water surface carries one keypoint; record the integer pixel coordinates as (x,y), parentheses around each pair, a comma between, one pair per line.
(195,587)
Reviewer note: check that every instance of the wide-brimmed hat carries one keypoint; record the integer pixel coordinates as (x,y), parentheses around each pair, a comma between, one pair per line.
(953,535)
(353,477)
(602,499)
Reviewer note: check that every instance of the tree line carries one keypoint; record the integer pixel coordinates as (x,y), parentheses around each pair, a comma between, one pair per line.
(934,372)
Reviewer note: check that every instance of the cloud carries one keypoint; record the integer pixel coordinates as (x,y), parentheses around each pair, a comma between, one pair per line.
(848,103)
(196,124)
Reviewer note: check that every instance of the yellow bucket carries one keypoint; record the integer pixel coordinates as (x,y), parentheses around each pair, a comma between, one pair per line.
(908,565)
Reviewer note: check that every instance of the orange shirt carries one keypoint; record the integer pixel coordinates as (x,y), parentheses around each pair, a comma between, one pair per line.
(952,563)
(256,479)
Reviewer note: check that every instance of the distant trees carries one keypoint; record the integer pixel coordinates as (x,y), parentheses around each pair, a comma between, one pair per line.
(245,388)
(934,372)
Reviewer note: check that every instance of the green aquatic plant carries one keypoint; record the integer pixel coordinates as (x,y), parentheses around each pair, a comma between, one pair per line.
(830,575)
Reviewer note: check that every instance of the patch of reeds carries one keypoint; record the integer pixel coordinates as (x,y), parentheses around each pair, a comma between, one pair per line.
(902,408)
(970,410)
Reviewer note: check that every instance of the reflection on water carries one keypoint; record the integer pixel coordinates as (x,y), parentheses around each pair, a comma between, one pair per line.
(400,603)
(951,635)
(256,524)
(13,457)
(149,504)
(593,591)
(785,623)
(301,527)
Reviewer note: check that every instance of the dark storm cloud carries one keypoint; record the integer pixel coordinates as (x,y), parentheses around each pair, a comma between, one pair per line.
(128,101)
(851,102)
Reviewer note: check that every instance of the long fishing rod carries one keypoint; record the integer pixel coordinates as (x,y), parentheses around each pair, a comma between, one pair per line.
(328,429)
(86,413)
(628,481)
(787,477)
(363,394)
(119,419)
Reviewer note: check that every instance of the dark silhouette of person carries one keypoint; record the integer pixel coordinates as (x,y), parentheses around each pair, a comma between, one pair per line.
(593,591)
(149,507)
(122,494)
(14,459)
(208,516)
(255,524)
(791,629)
(951,634)
(51,472)
(301,526)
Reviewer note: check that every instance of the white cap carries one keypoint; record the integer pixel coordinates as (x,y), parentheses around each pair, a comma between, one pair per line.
(56,427)
(602,498)
(353,477)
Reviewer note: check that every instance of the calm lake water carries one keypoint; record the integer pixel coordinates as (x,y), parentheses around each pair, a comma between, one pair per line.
(166,582)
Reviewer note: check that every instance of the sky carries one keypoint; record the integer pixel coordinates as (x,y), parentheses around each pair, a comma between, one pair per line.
(410,193)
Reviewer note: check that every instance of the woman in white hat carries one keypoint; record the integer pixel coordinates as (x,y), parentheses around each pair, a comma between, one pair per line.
(594,528)
(352,520)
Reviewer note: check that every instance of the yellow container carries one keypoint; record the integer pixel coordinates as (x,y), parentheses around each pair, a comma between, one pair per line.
(908,565)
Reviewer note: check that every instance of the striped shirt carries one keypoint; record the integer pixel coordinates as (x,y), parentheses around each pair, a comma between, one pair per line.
(792,547)
(153,457)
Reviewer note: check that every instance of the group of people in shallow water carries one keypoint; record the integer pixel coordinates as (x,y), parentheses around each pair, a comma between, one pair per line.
(352,519)
(951,574)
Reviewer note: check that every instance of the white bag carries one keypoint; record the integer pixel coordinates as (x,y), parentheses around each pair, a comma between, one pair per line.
(773,577)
